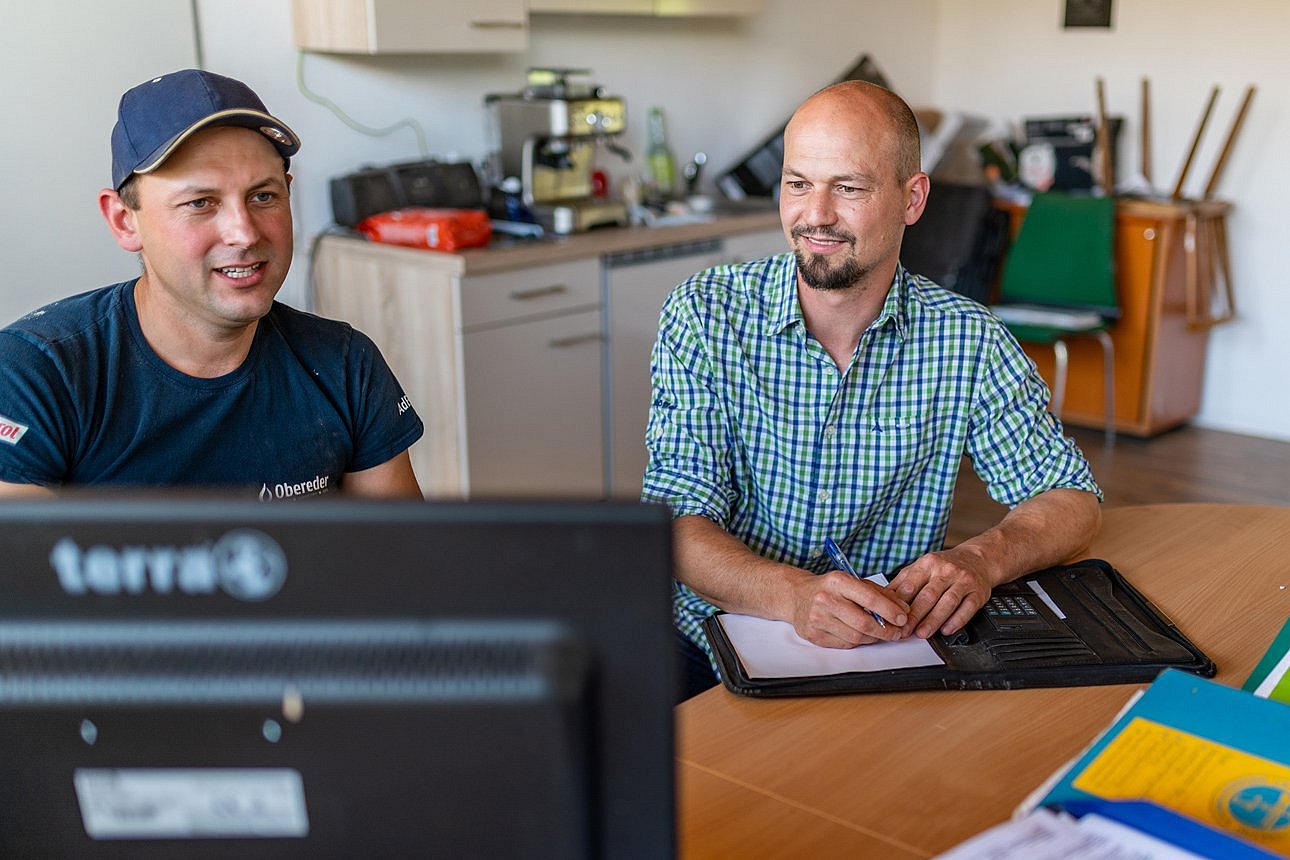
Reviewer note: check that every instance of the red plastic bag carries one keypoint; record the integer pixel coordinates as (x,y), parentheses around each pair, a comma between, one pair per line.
(436,229)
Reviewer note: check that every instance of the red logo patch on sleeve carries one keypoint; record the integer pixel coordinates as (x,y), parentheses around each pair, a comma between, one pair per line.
(11,431)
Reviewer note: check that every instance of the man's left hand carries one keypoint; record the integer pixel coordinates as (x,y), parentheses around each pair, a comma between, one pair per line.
(943,589)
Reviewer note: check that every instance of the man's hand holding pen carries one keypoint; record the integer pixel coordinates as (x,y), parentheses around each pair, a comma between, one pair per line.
(837,610)
(840,610)
(940,591)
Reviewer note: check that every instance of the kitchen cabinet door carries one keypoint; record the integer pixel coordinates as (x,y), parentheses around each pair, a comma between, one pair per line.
(410,26)
(405,300)
(533,407)
(497,299)
(634,292)
(742,247)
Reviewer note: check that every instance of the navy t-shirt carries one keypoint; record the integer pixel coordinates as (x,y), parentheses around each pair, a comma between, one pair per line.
(85,401)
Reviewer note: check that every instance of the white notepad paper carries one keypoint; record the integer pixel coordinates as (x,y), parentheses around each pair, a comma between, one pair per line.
(772,649)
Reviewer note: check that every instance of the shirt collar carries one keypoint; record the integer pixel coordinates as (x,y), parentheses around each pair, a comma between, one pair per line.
(895,310)
(784,310)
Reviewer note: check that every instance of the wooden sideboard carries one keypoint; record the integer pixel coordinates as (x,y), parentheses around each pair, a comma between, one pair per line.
(1171,275)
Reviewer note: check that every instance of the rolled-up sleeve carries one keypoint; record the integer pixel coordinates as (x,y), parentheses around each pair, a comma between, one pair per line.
(1016,445)
(688,436)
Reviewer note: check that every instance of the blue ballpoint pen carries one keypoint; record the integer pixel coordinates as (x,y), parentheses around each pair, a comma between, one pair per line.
(843,564)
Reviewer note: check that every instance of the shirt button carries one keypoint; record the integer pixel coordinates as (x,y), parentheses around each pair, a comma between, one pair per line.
(830,431)
(823,495)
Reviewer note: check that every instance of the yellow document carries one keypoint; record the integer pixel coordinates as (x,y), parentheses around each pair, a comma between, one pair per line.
(1237,792)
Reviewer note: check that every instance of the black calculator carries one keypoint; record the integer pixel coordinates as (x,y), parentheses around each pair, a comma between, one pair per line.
(1014,613)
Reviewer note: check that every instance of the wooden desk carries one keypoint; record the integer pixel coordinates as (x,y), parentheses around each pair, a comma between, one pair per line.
(912,774)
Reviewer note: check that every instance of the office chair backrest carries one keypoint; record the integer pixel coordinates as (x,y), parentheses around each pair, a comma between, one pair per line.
(1064,254)
(959,241)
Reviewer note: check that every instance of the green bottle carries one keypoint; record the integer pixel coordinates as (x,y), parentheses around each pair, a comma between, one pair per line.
(662,166)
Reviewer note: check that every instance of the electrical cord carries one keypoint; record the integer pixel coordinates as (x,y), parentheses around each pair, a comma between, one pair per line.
(332,229)
(370,131)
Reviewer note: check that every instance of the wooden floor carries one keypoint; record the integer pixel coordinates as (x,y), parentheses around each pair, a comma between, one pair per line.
(1185,465)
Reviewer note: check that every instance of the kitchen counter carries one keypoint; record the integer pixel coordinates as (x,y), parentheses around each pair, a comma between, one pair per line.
(507,254)
(528,360)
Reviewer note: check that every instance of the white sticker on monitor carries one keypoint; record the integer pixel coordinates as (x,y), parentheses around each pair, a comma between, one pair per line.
(191,803)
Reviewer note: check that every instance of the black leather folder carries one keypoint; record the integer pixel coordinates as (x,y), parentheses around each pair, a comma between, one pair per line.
(1092,628)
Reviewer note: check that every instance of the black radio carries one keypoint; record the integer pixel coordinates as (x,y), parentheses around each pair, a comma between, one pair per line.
(436,184)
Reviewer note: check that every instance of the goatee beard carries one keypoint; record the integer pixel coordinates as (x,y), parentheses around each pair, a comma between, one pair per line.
(818,274)
(816,270)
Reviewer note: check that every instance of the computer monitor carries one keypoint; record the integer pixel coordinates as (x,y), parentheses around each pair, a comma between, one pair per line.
(204,677)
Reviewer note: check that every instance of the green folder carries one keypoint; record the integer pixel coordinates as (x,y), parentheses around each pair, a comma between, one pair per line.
(1273,671)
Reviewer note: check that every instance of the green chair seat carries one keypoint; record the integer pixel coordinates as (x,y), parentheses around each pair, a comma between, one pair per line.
(1048,334)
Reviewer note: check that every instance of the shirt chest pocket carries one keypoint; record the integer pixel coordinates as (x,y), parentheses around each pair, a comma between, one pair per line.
(887,451)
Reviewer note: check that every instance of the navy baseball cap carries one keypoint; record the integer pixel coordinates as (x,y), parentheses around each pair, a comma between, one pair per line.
(154,118)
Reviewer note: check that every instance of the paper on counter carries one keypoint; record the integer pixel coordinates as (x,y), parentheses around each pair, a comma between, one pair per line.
(1047,835)
(772,649)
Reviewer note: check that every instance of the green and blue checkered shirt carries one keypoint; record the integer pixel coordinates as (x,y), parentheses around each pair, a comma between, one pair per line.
(753,426)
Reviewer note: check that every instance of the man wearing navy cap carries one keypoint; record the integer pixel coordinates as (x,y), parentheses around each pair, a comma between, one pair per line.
(191,374)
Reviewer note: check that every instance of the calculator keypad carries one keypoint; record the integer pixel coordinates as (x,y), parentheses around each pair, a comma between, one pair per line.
(1010,606)
(1015,614)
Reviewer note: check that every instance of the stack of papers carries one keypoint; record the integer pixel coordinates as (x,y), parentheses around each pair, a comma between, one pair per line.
(1049,835)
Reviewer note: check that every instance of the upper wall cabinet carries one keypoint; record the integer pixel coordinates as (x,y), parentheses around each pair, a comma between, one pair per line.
(410,26)
(676,8)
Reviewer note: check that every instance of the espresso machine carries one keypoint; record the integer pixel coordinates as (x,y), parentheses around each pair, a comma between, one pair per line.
(547,136)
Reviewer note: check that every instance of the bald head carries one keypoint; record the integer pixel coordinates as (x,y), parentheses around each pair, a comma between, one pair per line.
(868,108)
(851,184)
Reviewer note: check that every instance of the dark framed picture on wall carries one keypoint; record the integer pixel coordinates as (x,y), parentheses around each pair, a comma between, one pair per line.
(1087,13)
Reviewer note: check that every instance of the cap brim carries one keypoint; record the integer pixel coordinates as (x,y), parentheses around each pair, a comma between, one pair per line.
(274,130)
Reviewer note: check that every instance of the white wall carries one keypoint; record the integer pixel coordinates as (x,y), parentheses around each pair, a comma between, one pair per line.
(725,84)
(1008,59)
(64,66)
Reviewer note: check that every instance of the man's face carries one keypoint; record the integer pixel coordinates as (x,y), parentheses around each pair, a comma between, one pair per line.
(214,228)
(841,204)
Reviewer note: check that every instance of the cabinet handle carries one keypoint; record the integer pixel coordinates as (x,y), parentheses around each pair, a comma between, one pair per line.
(575,340)
(498,25)
(539,292)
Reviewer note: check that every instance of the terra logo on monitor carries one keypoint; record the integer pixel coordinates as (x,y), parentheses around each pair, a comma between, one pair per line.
(244,564)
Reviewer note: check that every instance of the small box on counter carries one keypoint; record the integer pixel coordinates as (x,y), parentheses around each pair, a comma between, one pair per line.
(422,227)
